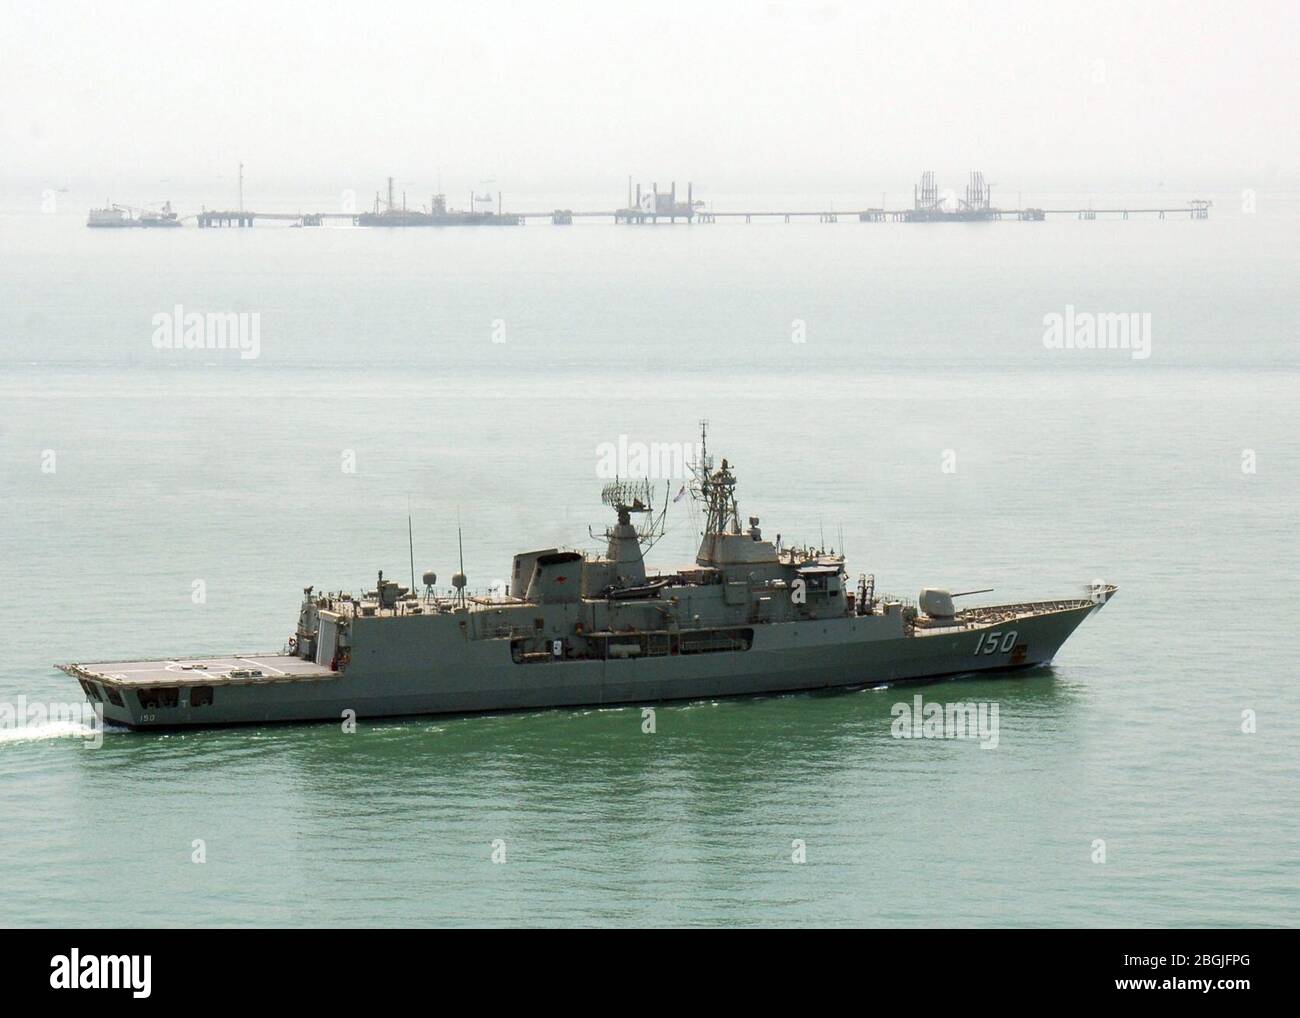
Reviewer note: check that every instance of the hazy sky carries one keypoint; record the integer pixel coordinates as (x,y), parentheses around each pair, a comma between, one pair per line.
(739,97)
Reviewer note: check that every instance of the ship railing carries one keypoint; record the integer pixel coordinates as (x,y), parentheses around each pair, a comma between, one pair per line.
(421,604)
(1004,612)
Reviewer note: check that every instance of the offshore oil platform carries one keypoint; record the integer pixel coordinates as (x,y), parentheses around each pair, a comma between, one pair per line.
(930,206)
(748,616)
(651,206)
(655,205)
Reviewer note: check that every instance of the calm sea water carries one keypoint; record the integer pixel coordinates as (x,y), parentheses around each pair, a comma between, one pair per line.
(130,473)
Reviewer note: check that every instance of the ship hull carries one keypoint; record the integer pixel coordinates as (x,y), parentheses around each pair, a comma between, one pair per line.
(436,669)
(414,219)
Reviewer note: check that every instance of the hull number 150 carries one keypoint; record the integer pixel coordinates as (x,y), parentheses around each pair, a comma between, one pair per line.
(991,643)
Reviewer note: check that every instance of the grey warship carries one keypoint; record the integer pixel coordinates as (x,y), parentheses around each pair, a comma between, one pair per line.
(748,617)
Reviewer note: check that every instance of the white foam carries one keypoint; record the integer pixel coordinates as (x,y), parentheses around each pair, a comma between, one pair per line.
(48,730)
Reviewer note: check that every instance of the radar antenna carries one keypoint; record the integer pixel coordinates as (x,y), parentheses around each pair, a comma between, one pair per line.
(626,497)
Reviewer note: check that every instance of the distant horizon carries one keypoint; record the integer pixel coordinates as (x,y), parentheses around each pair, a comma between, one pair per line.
(828,181)
(324,194)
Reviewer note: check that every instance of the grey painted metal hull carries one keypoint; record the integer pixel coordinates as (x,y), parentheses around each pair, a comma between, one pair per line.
(431,667)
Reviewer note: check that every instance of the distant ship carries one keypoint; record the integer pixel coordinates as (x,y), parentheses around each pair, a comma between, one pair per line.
(110,216)
(163,217)
(390,214)
(121,216)
(748,616)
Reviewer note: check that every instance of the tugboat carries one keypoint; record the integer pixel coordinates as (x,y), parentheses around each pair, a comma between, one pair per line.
(749,616)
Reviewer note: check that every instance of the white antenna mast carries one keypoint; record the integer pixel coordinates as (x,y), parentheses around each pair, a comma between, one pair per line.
(410,540)
(458,581)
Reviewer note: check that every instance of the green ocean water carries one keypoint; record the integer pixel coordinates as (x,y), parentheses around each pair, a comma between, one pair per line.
(474,374)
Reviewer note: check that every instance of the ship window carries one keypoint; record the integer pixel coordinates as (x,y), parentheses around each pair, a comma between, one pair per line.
(90,689)
(114,697)
(159,696)
(200,696)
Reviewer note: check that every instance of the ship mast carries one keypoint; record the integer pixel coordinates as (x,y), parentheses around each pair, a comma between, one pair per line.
(716,489)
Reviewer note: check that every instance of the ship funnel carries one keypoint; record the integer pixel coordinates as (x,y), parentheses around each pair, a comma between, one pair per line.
(556,579)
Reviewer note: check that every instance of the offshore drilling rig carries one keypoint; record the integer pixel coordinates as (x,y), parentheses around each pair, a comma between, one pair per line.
(929,205)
